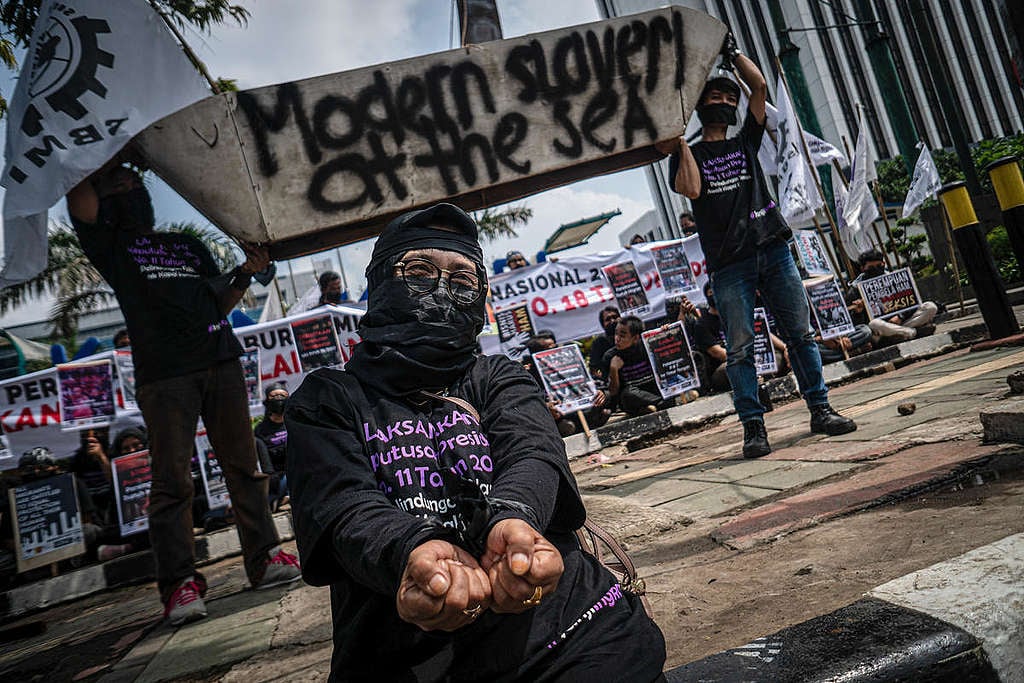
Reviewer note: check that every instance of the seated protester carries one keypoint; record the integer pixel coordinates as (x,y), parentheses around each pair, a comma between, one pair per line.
(603,343)
(272,441)
(441,570)
(127,441)
(91,466)
(897,328)
(631,377)
(570,424)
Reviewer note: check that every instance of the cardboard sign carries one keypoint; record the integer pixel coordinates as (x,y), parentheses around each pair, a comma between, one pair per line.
(250,361)
(627,288)
(566,378)
(133,477)
(514,329)
(316,343)
(675,370)
(764,352)
(674,268)
(812,253)
(831,316)
(330,160)
(47,521)
(889,294)
(86,394)
(214,484)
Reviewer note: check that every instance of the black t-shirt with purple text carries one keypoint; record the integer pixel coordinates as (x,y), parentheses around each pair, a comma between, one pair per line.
(162,281)
(735,212)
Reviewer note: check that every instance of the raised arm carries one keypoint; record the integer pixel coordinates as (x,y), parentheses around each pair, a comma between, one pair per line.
(752,76)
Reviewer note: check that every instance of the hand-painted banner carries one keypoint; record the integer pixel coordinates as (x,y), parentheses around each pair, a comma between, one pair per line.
(675,370)
(133,478)
(764,351)
(830,313)
(566,378)
(889,294)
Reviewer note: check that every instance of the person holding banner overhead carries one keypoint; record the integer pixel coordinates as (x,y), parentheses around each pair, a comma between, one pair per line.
(175,302)
(431,492)
(744,238)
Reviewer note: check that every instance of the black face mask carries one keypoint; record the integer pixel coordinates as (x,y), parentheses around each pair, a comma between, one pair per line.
(719,112)
(275,405)
(874,271)
(609,329)
(331,297)
(131,210)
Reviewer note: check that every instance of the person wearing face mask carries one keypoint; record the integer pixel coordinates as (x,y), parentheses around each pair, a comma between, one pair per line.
(744,238)
(175,302)
(271,442)
(431,492)
(603,343)
(330,288)
(894,329)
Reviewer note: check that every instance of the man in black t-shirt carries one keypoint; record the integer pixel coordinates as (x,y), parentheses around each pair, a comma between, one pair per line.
(744,237)
(631,376)
(175,302)
(609,319)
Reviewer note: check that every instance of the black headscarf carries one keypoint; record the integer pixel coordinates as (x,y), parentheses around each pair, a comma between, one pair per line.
(418,341)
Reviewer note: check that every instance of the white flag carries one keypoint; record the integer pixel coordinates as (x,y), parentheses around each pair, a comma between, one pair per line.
(926,182)
(96,73)
(273,307)
(822,153)
(859,209)
(798,194)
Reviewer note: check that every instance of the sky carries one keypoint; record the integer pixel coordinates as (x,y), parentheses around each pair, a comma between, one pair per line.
(287,40)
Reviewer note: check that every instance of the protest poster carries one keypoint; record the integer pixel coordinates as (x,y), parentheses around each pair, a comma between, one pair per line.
(829,308)
(514,329)
(47,523)
(126,378)
(673,268)
(214,484)
(627,288)
(889,294)
(316,343)
(86,394)
(699,268)
(764,352)
(675,370)
(250,360)
(566,378)
(812,253)
(132,476)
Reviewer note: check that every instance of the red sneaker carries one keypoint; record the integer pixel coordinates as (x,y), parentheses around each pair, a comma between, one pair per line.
(186,602)
(280,569)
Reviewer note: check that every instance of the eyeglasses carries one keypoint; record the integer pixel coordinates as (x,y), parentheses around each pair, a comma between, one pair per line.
(421,277)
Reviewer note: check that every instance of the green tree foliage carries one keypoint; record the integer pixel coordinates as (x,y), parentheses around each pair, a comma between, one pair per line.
(77,286)
(18,18)
(496,224)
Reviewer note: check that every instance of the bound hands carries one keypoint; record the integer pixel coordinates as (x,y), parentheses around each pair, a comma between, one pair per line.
(444,588)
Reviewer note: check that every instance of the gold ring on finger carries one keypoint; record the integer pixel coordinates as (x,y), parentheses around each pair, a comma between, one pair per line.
(473,613)
(534,599)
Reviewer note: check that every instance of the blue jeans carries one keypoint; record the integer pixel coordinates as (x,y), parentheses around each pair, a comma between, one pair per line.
(772,273)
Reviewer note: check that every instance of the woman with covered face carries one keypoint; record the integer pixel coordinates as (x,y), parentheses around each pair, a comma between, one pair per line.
(431,491)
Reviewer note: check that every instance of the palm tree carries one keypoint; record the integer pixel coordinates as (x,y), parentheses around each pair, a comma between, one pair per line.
(79,288)
(495,224)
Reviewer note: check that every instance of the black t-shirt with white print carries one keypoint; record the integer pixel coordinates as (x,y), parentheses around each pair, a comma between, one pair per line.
(735,212)
(367,488)
(162,283)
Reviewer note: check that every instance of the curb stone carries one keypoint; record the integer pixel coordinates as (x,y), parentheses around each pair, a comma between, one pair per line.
(1004,421)
(135,568)
(707,408)
(962,619)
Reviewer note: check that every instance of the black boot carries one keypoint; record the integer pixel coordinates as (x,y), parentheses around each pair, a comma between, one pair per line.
(755,439)
(825,420)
